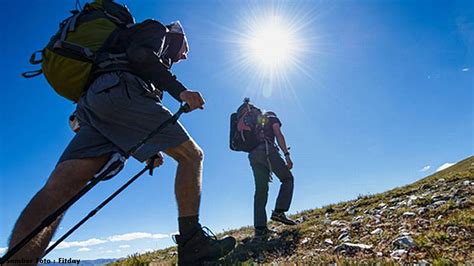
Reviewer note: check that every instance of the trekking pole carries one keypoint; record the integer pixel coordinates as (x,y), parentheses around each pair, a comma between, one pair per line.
(52,217)
(97,209)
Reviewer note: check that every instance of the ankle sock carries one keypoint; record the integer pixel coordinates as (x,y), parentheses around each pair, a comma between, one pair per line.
(188,225)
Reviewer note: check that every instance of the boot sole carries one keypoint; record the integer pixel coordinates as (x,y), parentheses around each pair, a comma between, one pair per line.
(282,221)
(203,260)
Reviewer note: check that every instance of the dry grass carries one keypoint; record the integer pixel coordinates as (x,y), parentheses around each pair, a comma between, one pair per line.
(443,235)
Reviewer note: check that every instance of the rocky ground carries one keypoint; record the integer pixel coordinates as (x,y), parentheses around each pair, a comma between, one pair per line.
(430,221)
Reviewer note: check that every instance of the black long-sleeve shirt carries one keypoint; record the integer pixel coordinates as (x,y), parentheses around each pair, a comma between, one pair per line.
(143,43)
(145,61)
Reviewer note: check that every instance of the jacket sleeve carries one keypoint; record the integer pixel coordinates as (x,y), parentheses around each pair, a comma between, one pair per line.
(145,61)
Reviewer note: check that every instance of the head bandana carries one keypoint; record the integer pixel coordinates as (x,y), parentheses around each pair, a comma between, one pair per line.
(177,44)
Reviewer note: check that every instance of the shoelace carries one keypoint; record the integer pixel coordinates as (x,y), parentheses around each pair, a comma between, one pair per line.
(208,233)
(205,230)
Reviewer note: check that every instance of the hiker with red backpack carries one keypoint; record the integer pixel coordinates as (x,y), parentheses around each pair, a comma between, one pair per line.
(116,71)
(254,131)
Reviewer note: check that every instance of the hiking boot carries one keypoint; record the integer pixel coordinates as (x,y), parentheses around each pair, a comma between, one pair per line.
(281,217)
(202,246)
(263,233)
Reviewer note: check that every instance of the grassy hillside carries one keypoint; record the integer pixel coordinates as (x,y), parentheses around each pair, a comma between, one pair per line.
(431,220)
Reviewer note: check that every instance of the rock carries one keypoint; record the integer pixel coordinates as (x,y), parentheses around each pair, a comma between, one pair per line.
(339,223)
(328,241)
(302,219)
(356,224)
(404,232)
(455,193)
(438,203)
(379,254)
(462,203)
(401,203)
(422,222)
(439,217)
(439,197)
(421,210)
(357,218)
(351,248)
(441,180)
(408,214)
(425,186)
(394,200)
(345,229)
(404,242)
(351,210)
(381,205)
(466,183)
(452,230)
(305,240)
(376,220)
(377,231)
(411,200)
(423,263)
(344,237)
(397,254)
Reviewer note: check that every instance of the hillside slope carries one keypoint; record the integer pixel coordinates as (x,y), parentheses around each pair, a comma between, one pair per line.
(431,220)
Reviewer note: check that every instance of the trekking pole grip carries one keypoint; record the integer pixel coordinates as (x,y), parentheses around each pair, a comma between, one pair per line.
(151,164)
(186,108)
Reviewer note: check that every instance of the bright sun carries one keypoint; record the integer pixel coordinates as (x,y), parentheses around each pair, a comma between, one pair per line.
(271,45)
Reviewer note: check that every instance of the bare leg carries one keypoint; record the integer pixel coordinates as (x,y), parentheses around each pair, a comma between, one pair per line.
(188,177)
(64,182)
(194,245)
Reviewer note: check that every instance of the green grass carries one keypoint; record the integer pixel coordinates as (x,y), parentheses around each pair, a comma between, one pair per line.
(433,242)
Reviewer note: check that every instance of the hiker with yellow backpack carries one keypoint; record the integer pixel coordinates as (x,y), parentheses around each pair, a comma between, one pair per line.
(116,71)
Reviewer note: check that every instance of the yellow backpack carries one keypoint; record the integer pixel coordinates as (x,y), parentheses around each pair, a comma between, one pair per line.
(70,57)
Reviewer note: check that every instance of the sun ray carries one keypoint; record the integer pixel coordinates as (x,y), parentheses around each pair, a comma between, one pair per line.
(270,46)
(273,46)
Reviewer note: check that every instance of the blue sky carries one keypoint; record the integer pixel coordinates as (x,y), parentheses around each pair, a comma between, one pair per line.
(382,96)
